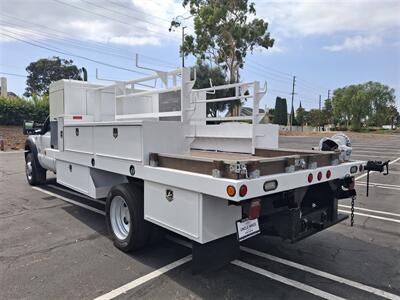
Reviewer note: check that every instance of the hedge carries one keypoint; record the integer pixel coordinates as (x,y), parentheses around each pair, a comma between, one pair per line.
(15,110)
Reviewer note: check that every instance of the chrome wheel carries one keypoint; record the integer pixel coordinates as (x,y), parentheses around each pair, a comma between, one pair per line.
(120,217)
(29,169)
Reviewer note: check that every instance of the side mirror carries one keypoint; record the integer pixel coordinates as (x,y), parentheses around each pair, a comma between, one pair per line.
(31,127)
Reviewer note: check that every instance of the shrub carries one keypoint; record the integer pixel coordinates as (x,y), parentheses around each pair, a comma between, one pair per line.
(14,110)
(280,112)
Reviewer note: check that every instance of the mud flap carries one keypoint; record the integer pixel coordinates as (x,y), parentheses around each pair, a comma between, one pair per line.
(214,254)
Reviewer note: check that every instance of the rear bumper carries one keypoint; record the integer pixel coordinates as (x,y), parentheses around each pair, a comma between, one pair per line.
(295,228)
(326,225)
(299,214)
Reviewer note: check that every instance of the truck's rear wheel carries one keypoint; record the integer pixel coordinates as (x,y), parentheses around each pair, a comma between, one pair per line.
(125,217)
(35,174)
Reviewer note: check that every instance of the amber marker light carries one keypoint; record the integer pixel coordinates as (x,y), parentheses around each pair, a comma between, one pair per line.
(231,191)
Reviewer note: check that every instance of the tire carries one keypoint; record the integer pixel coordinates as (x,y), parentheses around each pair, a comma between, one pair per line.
(34,172)
(125,217)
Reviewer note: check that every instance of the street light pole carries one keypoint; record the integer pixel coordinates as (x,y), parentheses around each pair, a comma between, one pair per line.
(176,23)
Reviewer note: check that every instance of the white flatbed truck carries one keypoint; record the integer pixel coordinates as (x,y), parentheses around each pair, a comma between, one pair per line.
(157,160)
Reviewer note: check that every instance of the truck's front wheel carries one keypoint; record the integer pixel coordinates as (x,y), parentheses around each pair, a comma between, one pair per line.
(35,174)
(125,217)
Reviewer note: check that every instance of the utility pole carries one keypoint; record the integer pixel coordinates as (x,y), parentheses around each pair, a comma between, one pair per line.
(183,40)
(329,94)
(319,116)
(291,115)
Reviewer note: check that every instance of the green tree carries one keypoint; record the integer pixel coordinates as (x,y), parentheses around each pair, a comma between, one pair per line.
(327,113)
(380,97)
(14,110)
(360,107)
(351,105)
(44,71)
(295,122)
(361,104)
(341,107)
(224,31)
(40,108)
(203,75)
(301,116)
(393,116)
(314,117)
(280,111)
(271,114)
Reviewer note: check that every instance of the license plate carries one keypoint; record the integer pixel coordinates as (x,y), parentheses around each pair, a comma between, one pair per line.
(247,228)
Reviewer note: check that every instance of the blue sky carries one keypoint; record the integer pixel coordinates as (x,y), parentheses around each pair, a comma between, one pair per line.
(326,44)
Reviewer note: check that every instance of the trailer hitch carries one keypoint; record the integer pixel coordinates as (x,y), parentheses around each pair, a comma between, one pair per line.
(376,166)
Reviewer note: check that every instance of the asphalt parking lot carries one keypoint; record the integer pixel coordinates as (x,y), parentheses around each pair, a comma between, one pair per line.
(52,249)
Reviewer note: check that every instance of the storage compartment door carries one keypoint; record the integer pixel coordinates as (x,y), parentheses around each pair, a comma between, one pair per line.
(124,142)
(78,139)
(175,209)
(73,176)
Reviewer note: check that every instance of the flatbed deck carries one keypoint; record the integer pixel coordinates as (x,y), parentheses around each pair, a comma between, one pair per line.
(242,165)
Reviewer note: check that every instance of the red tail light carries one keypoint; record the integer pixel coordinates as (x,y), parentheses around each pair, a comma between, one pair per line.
(76,117)
(310,178)
(243,191)
(328,174)
(319,176)
(255,209)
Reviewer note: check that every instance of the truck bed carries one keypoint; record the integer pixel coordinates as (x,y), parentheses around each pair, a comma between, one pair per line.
(241,165)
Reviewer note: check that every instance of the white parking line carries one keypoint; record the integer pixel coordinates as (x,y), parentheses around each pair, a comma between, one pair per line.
(382,153)
(287,281)
(381,146)
(320,273)
(372,210)
(139,281)
(266,273)
(390,163)
(370,216)
(304,268)
(382,156)
(394,172)
(384,187)
(388,188)
(273,276)
(70,200)
(379,184)
(135,283)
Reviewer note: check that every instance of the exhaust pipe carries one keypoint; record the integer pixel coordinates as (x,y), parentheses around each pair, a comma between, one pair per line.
(84,71)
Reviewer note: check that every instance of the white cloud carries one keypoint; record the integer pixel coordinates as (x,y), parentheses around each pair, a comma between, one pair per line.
(363,22)
(146,22)
(135,41)
(327,17)
(128,22)
(356,43)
